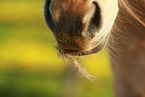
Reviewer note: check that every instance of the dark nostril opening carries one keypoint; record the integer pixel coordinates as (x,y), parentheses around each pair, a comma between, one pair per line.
(48,17)
(95,22)
(97,15)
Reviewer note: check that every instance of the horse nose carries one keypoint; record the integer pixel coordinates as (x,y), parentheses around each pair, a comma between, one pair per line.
(68,19)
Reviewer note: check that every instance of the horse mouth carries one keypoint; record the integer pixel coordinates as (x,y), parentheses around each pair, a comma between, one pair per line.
(70,51)
(78,52)
(76,43)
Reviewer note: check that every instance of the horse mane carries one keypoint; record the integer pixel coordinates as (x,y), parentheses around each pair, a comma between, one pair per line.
(135,8)
(130,19)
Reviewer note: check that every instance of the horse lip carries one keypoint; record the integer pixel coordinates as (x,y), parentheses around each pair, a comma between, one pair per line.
(69,50)
(72,51)
(76,52)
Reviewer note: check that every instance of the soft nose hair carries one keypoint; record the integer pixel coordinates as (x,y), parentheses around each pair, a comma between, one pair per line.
(72,26)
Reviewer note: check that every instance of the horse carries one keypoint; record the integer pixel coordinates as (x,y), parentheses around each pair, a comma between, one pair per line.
(84,27)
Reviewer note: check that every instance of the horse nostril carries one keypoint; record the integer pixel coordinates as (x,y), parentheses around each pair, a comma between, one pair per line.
(95,22)
(48,17)
(97,15)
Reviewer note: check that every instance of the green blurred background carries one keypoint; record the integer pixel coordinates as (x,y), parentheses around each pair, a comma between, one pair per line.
(29,64)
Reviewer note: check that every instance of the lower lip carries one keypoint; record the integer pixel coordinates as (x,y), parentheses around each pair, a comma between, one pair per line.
(71,52)
(82,52)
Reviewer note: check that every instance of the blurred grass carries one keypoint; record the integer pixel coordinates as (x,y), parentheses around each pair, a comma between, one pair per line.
(29,64)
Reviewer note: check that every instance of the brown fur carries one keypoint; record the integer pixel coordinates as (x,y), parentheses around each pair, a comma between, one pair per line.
(127,50)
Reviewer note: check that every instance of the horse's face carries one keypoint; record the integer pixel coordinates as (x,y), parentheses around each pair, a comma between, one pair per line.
(80,26)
